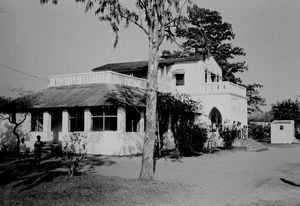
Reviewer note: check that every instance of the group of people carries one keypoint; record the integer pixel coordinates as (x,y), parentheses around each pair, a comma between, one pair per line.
(241,130)
(38,145)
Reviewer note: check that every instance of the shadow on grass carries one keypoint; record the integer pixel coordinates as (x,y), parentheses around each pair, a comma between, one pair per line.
(289,182)
(25,175)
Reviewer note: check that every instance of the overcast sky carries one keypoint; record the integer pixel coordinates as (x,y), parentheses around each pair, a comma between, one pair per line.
(49,40)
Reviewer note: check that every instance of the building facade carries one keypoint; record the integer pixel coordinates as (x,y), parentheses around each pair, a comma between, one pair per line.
(107,105)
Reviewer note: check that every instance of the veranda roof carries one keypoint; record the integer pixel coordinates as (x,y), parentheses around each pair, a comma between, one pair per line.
(88,95)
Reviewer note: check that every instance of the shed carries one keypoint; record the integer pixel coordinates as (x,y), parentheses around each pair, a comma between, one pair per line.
(283,132)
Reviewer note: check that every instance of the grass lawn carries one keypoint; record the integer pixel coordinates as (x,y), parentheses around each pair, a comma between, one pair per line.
(226,178)
(26,184)
(89,189)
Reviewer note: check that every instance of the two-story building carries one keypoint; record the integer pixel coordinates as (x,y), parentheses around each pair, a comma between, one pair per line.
(83,102)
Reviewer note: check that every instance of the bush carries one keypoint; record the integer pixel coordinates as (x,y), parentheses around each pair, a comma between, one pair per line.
(190,139)
(228,136)
(259,132)
(73,152)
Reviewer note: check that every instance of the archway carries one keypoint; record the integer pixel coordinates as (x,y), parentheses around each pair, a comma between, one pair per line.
(215,118)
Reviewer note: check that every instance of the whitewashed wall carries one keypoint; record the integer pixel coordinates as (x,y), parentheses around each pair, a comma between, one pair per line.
(111,142)
(284,136)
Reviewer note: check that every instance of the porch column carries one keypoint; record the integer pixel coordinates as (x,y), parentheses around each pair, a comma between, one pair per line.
(65,121)
(121,119)
(47,126)
(87,119)
(142,122)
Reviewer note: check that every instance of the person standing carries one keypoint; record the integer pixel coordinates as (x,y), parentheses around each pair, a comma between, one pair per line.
(38,150)
(22,150)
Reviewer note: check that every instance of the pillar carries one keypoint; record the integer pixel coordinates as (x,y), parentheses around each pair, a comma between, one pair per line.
(121,119)
(65,121)
(47,126)
(142,122)
(87,119)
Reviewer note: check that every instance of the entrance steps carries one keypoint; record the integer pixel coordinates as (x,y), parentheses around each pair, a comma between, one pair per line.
(52,148)
(249,145)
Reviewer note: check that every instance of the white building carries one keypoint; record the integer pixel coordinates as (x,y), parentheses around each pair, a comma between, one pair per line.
(283,132)
(81,102)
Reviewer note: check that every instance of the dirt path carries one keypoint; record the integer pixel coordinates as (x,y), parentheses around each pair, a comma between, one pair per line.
(227,178)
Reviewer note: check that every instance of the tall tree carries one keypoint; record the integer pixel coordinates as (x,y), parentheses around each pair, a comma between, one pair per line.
(254,98)
(286,110)
(157,19)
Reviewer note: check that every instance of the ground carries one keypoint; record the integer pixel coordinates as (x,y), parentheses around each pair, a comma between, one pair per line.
(235,177)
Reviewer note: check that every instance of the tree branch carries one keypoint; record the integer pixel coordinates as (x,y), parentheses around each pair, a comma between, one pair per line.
(3,117)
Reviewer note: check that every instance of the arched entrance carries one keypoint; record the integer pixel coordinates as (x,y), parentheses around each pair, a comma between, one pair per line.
(215,118)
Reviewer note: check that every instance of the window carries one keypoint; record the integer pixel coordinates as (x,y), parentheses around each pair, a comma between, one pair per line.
(132,120)
(213,77)
(179,79)
(104,119)
(76,120)
(281,127)
(37,122)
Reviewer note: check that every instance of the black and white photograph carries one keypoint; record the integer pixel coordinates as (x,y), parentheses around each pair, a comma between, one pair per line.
(150,102)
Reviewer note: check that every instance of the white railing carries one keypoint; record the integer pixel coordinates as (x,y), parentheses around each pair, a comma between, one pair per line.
(215,88)
(108,77)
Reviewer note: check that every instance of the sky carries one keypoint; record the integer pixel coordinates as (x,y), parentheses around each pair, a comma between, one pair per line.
(49,40)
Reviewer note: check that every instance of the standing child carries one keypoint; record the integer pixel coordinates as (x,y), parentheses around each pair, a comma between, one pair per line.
(22,150)
(38,150)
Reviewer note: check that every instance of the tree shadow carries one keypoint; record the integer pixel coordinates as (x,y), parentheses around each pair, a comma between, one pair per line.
(26,175)
(26,172)
(92,161)
(289,182)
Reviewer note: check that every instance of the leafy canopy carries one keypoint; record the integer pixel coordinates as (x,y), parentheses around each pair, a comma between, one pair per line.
(286,110)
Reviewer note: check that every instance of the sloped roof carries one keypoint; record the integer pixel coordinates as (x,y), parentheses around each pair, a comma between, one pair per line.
(88,95)
(143,65)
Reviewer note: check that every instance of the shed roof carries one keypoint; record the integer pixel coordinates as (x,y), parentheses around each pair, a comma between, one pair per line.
(88,95)
(283,122)
(143,65)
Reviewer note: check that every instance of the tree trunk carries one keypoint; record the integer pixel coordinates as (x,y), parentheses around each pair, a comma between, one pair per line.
(147,168)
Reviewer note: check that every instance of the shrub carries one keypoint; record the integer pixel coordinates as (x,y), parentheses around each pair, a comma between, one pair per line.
(259,132)
(73,152)
(190,139)
(228,136)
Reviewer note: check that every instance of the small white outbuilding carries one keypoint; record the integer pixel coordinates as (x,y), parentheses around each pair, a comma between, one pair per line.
(283,132)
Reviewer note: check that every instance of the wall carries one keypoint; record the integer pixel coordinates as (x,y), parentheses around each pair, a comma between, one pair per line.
(193,76)
(231,107)
(285,136)
(110,142)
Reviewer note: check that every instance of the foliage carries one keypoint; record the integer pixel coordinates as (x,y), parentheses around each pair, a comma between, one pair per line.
(228,136)
(190,139)
(286,110)
(179,113)
(207,34)
(261,117)
(259,132)
(254,99)
(74,151)
(9,107)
